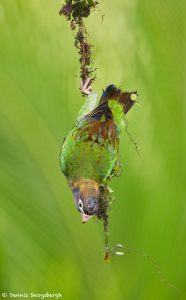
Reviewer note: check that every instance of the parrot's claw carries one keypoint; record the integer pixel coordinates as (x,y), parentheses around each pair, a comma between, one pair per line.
(86,87)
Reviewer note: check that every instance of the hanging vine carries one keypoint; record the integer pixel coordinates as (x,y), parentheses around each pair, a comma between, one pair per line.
(75,12)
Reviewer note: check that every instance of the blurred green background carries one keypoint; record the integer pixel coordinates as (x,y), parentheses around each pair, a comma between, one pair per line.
(44,247)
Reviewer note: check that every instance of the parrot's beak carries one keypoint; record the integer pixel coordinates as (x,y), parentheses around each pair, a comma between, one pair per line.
(85,218)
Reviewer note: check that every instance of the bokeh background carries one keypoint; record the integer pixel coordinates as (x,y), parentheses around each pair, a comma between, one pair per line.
(139,45)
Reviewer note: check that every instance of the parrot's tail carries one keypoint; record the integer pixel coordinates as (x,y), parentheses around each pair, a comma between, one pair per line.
(127,99)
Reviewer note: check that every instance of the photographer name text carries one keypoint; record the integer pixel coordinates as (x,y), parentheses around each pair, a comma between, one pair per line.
(32,295)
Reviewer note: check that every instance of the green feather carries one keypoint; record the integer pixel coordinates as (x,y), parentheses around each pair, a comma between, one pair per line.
(117,112)
(85,158)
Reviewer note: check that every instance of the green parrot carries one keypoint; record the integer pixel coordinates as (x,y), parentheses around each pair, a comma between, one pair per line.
(89,153)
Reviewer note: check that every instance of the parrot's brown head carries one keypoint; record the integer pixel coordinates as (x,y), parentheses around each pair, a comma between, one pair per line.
(86,195)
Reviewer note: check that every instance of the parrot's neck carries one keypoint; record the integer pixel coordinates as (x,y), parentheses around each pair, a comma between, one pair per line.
(85,184)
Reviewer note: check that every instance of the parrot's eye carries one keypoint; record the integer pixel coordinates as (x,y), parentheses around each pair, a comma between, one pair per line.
(80,206)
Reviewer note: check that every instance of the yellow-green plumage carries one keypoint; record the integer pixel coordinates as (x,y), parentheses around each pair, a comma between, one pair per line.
(87,158)
(89,152)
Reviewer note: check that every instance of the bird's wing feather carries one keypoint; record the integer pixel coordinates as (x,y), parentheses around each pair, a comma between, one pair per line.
(88,106)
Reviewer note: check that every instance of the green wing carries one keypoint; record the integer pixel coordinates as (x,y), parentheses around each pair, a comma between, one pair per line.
(89,105)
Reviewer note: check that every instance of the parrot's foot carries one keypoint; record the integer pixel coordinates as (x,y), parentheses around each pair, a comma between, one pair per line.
(86,87)
(116,171)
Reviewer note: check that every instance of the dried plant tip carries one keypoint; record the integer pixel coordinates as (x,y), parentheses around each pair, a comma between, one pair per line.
(75,11)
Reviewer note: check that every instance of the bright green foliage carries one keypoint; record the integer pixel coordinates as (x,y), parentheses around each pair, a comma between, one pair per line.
(43,245)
